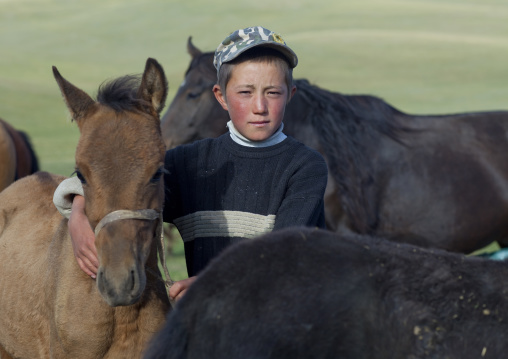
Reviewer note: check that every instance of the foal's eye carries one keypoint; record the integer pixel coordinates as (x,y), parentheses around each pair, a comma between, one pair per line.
(157,176)
(80,176)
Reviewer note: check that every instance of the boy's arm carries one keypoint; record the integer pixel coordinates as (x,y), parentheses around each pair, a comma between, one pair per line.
(179,288)
(304,201)
(68,199)
(83,238)
(64,194)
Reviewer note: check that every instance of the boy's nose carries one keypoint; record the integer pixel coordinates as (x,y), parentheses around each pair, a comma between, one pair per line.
(260,105)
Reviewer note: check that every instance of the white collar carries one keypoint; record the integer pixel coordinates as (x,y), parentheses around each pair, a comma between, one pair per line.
(277,137)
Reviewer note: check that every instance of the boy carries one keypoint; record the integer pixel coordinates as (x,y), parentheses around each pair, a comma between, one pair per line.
(249,181)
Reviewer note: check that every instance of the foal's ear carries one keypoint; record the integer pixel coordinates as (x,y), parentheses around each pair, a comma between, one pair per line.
(154,86)
(78,102)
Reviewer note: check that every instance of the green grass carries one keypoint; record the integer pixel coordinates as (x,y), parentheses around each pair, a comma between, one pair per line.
(175,260)
(428,56)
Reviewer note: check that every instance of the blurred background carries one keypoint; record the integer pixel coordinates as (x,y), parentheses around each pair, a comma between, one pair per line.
(423,57)
(429,56)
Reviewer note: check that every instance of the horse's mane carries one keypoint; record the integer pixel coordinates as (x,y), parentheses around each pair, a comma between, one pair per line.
(348,127)
(121,94)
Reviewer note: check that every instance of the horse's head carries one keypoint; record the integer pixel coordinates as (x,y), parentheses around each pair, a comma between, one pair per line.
(194,112)
(120,161)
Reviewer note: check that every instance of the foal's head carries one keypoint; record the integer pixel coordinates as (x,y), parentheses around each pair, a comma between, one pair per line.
(120,161)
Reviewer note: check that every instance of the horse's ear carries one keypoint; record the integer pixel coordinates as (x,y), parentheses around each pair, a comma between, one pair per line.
(78,102)
(191,49)
(154,86)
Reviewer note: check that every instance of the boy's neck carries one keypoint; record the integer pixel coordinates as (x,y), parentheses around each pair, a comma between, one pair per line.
(277,137)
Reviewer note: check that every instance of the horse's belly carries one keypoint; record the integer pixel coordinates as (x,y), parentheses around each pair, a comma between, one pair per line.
(446,210)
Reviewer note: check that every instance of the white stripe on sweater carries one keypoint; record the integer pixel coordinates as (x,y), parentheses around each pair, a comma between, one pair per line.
(223,224)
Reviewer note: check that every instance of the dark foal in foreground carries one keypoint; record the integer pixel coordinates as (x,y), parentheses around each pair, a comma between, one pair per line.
(432,180)
(304,293)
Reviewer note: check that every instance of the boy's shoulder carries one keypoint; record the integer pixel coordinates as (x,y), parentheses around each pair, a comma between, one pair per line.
(218,146)
(304,149)
(199,144)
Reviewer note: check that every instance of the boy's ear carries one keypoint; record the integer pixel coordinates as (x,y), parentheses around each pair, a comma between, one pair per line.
(291,93)
(220,96)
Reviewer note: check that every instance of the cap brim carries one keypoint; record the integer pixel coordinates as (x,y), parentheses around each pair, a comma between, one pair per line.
(284,50)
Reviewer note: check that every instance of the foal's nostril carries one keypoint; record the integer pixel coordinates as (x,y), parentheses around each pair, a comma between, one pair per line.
(133,279)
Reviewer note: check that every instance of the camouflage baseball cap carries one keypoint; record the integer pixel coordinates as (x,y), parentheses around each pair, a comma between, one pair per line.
(241,40)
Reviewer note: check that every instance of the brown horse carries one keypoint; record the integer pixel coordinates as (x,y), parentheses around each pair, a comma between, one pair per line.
(49,307)
(17,157)
(432,180)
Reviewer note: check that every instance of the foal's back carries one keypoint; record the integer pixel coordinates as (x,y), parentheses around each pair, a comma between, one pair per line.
(32,234)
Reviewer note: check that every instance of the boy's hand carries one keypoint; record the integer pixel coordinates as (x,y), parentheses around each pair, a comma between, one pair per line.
(179,288)
(83,238)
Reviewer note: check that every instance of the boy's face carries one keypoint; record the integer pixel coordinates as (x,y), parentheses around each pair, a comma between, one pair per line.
(256,97)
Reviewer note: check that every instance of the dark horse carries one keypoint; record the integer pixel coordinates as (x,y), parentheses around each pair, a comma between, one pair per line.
(303,293)
(432,180)
(17,156)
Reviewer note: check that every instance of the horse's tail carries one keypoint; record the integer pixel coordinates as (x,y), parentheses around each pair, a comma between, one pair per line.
(26,159)
(34,162)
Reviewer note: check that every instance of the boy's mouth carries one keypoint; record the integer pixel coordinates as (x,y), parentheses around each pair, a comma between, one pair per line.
(259,123)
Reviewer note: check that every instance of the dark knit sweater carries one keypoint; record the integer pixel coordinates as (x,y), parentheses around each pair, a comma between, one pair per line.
(219,192)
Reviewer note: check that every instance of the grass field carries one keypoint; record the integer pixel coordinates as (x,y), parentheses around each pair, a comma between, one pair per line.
(428,56)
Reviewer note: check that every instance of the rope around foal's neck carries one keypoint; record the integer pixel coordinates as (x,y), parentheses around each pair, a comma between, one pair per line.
(149,215)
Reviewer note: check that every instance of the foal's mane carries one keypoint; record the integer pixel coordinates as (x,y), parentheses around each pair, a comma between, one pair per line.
(349,127)
(121,93)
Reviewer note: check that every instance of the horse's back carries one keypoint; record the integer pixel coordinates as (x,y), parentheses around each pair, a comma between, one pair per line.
(315,294)
(275,311)
(30,195)
(28,225)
